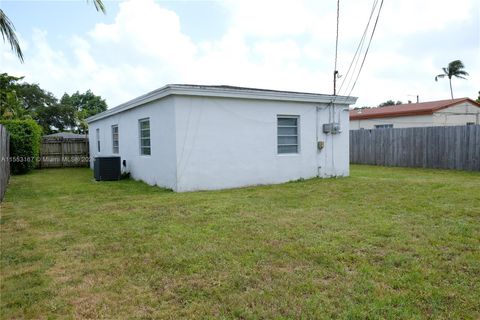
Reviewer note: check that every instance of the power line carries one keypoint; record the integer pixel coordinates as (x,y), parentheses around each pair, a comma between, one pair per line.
(335,72)
(356,56)
(368,47)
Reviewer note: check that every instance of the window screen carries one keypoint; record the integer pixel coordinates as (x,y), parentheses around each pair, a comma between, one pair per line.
(144,128)
(383,126)
(287,134)
(115,138)
(98,139)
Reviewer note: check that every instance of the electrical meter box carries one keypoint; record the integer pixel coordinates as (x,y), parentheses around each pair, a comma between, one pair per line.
(332,128)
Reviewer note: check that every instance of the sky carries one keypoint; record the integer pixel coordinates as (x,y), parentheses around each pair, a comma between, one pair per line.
(141,45)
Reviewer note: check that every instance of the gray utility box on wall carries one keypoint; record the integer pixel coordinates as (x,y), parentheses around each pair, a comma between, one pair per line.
(332,128)
(106,168)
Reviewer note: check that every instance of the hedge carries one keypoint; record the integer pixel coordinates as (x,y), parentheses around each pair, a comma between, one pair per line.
(25,139)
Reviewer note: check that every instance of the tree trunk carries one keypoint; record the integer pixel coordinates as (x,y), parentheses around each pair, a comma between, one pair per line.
(451,91)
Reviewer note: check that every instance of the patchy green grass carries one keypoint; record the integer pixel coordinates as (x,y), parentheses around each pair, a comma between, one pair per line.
(385,243)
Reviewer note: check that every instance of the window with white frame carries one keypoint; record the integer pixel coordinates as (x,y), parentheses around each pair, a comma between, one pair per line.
(383,126)
(98,139)
(115,138)
(287,134)
(144,132)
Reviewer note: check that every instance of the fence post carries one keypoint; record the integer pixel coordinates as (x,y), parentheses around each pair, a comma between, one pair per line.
(40,163)
(62,153)
(453,147)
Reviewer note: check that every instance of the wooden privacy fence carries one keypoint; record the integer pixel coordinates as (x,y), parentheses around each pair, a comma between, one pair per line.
(4,160)
(455,147)
(64,152)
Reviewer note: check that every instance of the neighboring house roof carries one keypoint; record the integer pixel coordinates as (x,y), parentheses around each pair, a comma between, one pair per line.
(411,109)
(65,135)
(224,92)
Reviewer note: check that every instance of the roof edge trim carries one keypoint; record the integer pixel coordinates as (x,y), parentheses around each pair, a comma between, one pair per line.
(222,92)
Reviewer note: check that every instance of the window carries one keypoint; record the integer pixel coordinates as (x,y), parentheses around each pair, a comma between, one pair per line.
(115,138)
(287,134)
(98,139)
(383,126)
(144,128)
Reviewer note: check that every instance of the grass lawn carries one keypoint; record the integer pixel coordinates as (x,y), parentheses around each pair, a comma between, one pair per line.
(388,243)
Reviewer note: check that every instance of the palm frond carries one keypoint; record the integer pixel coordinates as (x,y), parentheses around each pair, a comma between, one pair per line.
(99,5)
(440,76)
(462,73)
(8,33)
(456,64)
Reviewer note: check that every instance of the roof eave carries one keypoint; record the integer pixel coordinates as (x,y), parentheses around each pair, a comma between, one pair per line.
(457,103)
(223,93)
(391,115)
(262,95)
(360,116)
(143,99)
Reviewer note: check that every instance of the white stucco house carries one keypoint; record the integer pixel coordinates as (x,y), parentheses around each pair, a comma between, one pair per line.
(452,112)
(192,137)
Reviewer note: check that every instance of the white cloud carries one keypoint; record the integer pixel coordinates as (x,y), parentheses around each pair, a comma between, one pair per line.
(280,45)
(411,16)
(148,30)
(269,18)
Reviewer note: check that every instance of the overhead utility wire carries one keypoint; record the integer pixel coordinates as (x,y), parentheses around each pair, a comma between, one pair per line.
(368,47)
(335,71)
(356,56)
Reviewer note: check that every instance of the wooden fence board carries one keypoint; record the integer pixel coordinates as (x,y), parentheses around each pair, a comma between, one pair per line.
(455,147)
(60,152)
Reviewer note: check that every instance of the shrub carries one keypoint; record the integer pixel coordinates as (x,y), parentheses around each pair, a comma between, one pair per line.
(25,136)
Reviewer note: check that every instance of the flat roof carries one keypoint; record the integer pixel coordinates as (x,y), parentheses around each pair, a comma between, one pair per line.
(223,91)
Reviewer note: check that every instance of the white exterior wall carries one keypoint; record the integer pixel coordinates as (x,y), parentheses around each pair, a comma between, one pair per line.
(458,115)
(226,143)
(398,122)
(157,169)
(200,143)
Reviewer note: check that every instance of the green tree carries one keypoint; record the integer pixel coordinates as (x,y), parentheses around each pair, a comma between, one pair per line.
(25,138)
(22,100)
(33,97)
(478,99)
(86,105)
(454,69)
(57,117)
(8,29)
(389,103)
(37,103)
(10,104)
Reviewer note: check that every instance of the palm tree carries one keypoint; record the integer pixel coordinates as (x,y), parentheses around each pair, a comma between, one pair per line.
(8,30)
(454,69)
